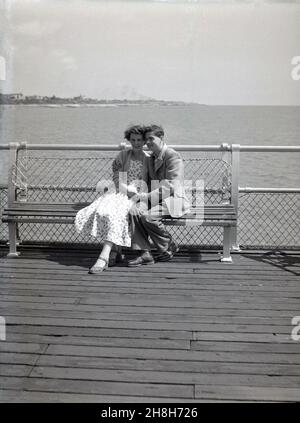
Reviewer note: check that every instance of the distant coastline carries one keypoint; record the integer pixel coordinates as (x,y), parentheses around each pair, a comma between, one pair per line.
(54,101)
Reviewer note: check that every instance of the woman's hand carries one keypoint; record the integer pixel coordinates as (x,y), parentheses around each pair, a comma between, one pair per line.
(143,196)
(131,191)
(104,186)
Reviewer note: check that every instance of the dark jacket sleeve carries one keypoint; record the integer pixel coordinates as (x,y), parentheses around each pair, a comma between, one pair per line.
(172,184)
(174,168)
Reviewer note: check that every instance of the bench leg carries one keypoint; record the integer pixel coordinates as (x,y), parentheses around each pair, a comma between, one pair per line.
(12,233)
(226,245)
(234,244)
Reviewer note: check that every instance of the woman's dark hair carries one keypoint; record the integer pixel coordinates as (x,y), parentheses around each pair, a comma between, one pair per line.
(155,129)
(135,129)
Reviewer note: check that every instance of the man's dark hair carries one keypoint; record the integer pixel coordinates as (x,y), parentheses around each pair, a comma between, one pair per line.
(155,129)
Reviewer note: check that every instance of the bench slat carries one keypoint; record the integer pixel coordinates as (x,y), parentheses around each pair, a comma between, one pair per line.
(56,213)
(30,212)
(170,222)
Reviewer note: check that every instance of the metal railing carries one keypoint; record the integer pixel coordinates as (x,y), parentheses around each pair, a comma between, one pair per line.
(267,217)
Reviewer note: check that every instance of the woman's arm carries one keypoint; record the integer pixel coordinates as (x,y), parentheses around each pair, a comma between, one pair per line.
(116,168)
(121,183)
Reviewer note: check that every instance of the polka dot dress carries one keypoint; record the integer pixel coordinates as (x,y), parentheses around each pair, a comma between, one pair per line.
(107,217)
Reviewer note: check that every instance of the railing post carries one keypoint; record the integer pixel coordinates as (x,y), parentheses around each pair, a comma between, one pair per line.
(226,157)
(11,192)
(22,174)
(235,162)
(11,197)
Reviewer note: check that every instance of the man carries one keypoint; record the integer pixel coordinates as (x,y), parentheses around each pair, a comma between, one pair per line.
(166,198)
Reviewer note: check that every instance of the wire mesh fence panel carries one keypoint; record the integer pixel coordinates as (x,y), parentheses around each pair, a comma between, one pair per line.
(3,204)
(59,179)
(57,232)
(214,169)
(269,220)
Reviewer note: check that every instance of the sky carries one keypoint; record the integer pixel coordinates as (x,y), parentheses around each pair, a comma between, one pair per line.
(210,52)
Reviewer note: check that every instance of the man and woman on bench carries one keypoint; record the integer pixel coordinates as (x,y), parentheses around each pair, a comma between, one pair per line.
(146,186)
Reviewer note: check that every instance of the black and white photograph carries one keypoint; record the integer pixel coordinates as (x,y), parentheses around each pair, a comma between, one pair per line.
(149,204)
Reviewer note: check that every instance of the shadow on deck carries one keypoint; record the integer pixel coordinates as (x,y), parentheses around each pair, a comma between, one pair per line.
(193,329)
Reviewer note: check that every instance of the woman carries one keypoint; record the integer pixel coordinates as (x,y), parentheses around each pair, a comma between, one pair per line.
(107,217)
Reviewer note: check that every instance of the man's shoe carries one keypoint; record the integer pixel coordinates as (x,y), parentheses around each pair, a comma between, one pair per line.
(143,259)
(169,253)
(115,257)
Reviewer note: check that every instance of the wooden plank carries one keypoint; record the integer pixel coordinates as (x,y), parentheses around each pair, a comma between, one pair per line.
(99,341)
(173,377)
(195,273)
(44,220)
(243,337)
(101,332)
(59,397)
(168,365)
(38,212)
(199,311)
(189,258)
(11,358)
(41,204)
(22,214)
(110,388)
(68,218)
(112,275)
(164,283)
(179,355)
(77,289)
(20,347)
(25,207)
(128,324)
(243,346)
(170,301)
(46,255)
(109,277)
(172,267)
(56,263)
(265,347)
(13,382)
(153,334)
(167,318)
(34,299)
(248,393)
(14,370)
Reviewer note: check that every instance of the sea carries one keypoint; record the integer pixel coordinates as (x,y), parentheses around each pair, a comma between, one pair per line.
(183,124)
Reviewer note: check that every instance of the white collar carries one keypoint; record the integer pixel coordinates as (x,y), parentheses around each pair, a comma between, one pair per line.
(162,152)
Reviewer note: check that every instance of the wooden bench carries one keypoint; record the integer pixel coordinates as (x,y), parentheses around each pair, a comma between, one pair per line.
(20,210)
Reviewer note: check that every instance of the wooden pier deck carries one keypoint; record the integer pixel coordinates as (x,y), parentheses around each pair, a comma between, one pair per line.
(193,329)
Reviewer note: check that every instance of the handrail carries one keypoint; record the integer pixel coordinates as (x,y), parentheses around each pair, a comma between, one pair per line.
(113,147)
(179,147)
(270,148)
(268,190)
(241,190)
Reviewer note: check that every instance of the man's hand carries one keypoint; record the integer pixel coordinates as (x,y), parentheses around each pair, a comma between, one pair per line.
(136,210)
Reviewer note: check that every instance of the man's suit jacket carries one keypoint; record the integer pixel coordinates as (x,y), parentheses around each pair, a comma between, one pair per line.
(167,182)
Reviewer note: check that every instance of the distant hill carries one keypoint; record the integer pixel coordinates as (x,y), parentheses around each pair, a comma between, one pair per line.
(19,98)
